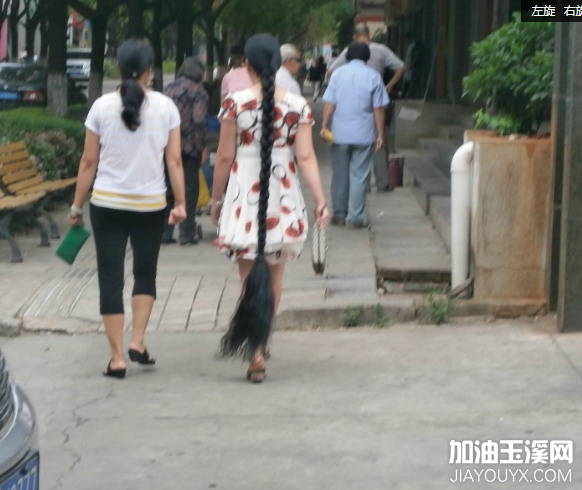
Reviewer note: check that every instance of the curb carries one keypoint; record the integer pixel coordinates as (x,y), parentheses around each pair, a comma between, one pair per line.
(10,326)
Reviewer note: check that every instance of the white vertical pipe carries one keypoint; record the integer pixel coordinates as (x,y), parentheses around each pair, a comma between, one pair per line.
(460,213)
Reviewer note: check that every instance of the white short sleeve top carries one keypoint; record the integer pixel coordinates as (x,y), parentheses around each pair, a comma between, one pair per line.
(131,163)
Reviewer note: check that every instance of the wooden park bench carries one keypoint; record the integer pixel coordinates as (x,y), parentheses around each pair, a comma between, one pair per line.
(11,206)
(19,177)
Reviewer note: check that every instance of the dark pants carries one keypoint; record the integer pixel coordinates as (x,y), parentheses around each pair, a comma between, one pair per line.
(111,230)
(188,226)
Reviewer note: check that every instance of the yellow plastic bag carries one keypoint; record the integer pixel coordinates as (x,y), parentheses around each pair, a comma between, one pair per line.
(204,193)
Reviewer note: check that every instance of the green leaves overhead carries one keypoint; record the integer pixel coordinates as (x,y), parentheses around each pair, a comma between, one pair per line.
(297,21)
(512,77)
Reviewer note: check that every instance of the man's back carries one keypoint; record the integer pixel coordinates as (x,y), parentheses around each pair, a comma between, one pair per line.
(355,90)
(381,57)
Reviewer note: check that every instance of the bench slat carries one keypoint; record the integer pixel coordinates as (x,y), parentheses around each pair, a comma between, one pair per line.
(49,186)
(14,157)
(14,167)
(16,146)
(13,202)
(20,186)
(18,176)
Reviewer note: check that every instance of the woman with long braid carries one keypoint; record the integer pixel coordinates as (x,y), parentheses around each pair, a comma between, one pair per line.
(263,219)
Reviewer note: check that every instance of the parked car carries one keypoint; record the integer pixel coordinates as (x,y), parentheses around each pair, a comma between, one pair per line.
(25,84)
(19,450)
(22,84)
(79,64)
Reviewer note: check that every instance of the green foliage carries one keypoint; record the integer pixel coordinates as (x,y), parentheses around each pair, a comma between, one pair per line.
(512,77)
(353,316)
(169,66)
(379,320)
(437,307)
(297,21)
(56,143)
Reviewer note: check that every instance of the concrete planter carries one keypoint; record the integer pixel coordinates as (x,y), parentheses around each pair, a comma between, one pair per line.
(511,197)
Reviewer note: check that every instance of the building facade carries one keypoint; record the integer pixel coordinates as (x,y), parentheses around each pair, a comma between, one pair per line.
(446,30)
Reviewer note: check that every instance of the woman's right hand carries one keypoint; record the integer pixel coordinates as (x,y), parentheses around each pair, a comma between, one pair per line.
(75,220)
(322,216)
(75,216)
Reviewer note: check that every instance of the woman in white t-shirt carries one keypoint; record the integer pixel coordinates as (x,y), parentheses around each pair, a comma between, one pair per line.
(129,132)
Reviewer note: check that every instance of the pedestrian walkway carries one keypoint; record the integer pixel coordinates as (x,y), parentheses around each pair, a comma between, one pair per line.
(341,409)
(198,288)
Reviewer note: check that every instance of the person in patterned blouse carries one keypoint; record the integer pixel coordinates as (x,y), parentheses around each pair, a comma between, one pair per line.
(191,99)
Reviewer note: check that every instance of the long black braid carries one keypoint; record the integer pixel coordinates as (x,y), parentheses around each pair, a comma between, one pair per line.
(251,324)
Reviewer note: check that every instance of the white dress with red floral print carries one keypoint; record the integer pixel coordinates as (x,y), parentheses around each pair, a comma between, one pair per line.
(286,215)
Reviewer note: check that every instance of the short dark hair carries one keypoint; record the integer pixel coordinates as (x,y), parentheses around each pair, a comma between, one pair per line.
(193,69)
(358,51)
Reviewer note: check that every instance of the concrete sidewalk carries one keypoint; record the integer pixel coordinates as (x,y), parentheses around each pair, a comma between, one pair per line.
(341,409)
(198,288)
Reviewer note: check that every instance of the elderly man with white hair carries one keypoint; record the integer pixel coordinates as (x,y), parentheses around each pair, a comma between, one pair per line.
(290,68)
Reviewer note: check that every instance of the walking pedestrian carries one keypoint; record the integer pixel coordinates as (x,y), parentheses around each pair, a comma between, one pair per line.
(191,99)
(354,105)
(263,217)
(381,57)
(237,78)
(128,134)
(291,63)
(316,76)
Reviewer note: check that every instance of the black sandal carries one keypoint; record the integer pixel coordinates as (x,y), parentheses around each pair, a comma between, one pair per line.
(114,373)
(141,357)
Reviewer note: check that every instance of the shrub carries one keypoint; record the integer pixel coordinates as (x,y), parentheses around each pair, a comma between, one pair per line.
(436,308)
(512,77)
(56,143)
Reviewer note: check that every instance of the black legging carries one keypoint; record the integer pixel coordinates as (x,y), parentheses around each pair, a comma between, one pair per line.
(111,229)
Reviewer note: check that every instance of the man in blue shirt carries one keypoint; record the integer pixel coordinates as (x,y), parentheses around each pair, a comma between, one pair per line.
(354,104)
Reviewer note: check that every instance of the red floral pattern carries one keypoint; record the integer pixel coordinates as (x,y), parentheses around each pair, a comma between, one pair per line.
(286,215)
(246,138)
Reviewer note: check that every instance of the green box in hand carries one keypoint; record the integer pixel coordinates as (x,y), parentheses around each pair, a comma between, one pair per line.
(72,243)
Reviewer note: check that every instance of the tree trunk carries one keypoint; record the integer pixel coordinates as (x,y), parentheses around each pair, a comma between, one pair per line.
(43,39)
(221,52)
(184,44)
(31,27)
(136,25)
(210,42)
(157,45)
(99,26)
(57,61)
(13,29)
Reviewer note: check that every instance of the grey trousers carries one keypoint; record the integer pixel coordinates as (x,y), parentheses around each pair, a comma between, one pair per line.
(352,166)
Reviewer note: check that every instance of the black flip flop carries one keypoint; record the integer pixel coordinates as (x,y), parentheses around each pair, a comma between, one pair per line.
(141,357)
(114,373)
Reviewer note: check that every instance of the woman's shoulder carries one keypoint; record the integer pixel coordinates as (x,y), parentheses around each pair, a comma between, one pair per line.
(242,96)
(109,98)
(294,101)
